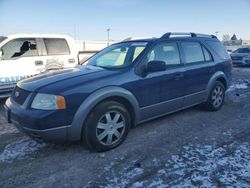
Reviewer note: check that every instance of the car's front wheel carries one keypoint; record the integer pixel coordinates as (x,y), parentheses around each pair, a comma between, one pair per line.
(216,97)
(107,126)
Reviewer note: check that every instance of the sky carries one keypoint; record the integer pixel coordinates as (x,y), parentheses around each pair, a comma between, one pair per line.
(90,19)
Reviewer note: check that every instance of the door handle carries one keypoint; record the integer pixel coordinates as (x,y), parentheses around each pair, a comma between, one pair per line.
(38,63)
(178,76)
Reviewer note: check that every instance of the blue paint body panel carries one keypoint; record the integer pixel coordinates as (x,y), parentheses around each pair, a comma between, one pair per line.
(151,94)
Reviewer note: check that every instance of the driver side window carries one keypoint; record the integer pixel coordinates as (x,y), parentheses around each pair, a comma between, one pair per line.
(19,48)
(167,52)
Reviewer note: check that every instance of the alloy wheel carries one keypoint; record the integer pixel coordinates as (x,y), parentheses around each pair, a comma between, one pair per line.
(217,96)
(110,128)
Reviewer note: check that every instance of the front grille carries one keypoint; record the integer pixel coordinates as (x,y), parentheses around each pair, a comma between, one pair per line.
(237,58)
(19,95)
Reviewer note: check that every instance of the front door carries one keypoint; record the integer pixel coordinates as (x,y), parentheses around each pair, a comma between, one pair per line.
(165,89)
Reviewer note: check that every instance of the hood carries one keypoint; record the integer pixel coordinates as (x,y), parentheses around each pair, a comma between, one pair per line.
(45,79)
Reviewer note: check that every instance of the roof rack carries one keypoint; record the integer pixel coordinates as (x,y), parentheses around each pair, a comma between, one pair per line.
(137,38)
(169,34)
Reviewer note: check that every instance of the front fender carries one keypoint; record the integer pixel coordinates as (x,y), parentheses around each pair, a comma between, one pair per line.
(92,100)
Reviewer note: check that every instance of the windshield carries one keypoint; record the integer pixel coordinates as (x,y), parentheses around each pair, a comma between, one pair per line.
(243,50)
(2,38)
(118,55)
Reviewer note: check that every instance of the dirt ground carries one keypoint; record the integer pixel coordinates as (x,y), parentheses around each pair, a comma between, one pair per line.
(191,148)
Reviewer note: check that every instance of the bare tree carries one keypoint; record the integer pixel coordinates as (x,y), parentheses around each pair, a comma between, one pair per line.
(226,37)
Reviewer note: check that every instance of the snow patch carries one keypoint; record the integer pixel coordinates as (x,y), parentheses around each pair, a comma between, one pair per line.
(9,130)
(137,184)
(20,149)
(196,166)
(159,183)
(238,86)
(241,86)
(227,165)
(124,178)
(228,133)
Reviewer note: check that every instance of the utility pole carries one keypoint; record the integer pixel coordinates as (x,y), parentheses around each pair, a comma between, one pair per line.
(108,30)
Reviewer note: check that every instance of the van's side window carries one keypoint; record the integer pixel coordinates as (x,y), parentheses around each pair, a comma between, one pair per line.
(56,46)
(192,52)
(19,48)
(167,52)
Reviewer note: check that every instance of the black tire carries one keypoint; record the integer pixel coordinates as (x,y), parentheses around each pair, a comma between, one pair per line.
(103,120)
(217,93)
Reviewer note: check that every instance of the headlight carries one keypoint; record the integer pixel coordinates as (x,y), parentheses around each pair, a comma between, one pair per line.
(48,102)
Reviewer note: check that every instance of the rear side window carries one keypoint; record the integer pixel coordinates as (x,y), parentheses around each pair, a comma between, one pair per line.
(56,46)
(192,52)
(218,48)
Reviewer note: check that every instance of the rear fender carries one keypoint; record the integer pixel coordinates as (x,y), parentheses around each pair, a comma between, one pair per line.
(212,81)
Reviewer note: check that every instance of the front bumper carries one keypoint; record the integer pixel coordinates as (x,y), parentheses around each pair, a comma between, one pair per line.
(29,123)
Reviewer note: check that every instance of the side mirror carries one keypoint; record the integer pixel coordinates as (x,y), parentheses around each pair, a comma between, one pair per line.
(156,66)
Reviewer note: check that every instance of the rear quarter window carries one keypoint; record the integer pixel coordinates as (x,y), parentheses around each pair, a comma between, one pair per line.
(56,46)
(218,48)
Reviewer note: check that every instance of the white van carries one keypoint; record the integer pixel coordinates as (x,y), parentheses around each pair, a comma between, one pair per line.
(25,55)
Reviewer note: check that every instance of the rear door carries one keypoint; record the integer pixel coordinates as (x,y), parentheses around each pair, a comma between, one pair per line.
(199,67)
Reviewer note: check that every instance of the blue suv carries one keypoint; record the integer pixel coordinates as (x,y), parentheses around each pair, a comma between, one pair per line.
(125,84)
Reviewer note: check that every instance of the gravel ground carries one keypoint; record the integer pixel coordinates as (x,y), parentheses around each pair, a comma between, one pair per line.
(191,148)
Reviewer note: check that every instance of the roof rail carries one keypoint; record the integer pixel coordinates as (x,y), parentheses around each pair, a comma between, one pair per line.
(205,35)
(169,34)
(137,38)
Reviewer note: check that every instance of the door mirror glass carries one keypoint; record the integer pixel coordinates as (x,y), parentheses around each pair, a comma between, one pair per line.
(155,66)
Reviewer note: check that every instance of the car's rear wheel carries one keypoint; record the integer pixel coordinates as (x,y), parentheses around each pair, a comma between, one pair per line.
(107,126)
(216,97)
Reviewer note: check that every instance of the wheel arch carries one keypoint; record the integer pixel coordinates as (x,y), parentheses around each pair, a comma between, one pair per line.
(218,76)
(124,101)
(114,93)
(223,81)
